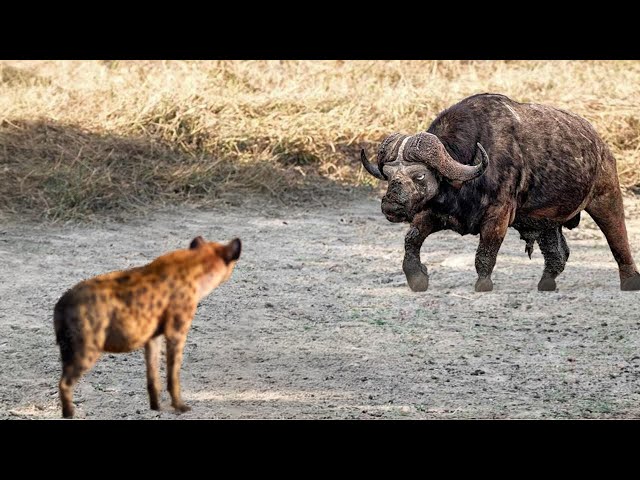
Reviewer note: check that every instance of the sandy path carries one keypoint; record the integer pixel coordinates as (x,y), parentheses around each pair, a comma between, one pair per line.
(317,322)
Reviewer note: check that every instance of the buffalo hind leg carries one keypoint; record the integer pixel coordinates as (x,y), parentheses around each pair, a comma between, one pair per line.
(492,234)
(415,271)
(564,247)
(555,250)
(607,211)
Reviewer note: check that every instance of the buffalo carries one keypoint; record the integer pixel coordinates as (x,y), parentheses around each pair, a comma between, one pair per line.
(488,163)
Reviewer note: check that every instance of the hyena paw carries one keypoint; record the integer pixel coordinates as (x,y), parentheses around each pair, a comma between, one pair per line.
(484,285)
(182,408)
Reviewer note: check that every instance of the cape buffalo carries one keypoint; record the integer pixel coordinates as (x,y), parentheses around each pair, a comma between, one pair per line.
(488,163)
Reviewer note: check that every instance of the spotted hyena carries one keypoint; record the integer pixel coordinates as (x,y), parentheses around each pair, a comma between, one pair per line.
(126,310)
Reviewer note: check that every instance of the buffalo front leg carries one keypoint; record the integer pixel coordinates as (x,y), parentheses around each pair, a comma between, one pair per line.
(416,273)
(492,234)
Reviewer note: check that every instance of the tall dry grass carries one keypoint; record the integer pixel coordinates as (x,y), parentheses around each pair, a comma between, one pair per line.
(79,138)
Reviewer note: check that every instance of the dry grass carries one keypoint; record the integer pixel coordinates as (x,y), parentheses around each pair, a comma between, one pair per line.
(79,138)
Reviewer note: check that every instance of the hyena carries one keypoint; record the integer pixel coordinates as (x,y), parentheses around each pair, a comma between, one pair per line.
(125,310)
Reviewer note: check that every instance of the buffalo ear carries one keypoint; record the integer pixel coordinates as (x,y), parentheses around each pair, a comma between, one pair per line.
(197,242)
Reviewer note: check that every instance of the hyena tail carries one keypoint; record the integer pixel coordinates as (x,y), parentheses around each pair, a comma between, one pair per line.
(63,335)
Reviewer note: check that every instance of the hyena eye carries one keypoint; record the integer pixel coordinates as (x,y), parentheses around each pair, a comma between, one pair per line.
(421,177)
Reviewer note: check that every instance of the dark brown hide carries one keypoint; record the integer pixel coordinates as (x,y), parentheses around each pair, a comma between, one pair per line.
(545,166)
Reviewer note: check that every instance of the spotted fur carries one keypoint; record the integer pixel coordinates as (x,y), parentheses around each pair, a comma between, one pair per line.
(127,310)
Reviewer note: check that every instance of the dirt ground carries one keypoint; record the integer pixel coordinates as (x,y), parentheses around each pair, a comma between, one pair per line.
(317,322)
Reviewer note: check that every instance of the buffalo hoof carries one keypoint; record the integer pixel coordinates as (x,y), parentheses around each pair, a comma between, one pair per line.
(547,285)
(418,282)
(630,284)
(417,276)
(484,285)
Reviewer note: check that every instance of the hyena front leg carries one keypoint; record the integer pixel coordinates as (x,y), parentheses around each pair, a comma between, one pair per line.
(175,332)
(152,357)
(175,346)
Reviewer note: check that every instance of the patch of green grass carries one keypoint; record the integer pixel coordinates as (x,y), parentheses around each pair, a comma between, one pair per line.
(600,407)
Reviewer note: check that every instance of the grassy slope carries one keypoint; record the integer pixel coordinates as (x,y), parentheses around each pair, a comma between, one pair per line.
(82,138)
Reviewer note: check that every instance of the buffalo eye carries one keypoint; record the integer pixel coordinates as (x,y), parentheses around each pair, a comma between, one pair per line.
(420,177)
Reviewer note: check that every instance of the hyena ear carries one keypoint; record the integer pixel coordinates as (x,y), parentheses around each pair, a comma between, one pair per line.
(197,242)
(231,251)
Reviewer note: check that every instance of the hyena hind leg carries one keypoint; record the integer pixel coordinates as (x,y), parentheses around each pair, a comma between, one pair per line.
(76,360)
(71,373)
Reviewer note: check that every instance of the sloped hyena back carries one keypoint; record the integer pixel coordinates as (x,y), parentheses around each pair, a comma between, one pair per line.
(126,310)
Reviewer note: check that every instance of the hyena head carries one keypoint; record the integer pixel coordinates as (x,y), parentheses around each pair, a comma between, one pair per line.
(216,262)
